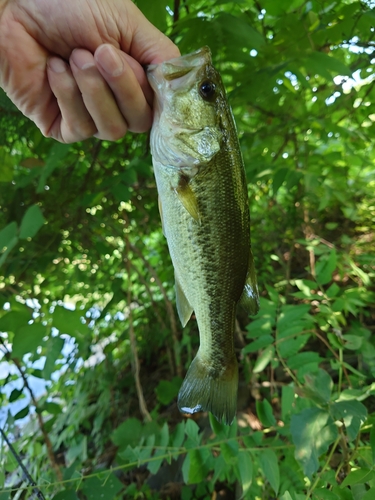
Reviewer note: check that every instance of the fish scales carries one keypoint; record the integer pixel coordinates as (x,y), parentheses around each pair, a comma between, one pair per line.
(204,209)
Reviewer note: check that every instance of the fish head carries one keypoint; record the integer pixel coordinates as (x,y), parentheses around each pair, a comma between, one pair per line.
(189,101)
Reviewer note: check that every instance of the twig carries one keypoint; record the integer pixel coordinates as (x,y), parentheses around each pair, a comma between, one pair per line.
(46,437)
(176,11)
(33,484)
(168,305)
(316,482)
(158,315)
(133,342)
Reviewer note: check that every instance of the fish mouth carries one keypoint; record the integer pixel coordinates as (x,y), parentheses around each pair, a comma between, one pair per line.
(178,67)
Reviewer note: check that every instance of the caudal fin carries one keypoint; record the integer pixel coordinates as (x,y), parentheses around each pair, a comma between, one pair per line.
(206,388)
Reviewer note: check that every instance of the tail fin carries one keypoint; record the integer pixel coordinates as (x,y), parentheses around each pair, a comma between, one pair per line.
(206,388)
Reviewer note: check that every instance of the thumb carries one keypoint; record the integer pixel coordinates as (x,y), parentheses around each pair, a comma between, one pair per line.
(148,44)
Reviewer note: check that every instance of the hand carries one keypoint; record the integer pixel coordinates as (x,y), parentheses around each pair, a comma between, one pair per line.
(75,67)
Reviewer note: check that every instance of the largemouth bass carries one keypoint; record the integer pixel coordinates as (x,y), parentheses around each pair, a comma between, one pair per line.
(203,205)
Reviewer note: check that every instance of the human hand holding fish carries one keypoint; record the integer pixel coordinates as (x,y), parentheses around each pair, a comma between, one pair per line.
(76,67)
(203,205)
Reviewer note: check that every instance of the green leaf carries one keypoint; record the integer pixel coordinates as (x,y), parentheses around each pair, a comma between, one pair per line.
(154,466)
(287,400)
(260,343)
(193,469)
(270,467)
(127,434)
(369,495)
(281,173)
(219,429)
(302,359)
(286,496)
(15,394)
(22,413)
(52,408)
(289,346)
(167,390)
(359,476)
(323,64)
(56,154)
(192,432)
(325,267)
(333,290)
(265,413)
(263,359)
(31,222)
(353,342)
(105,488)
(290,314)
(179,435)
(241,32)
(342,494)
(8,240)
(353,413)
(70,322)
(229,451)
(7,163)
(66,495)
(318,386)
(27,339)
(245,471)
(54,346)
(323,494)
(14,320)
(155,12)
(7,234)
(372,443)
(313,431)
(11,244)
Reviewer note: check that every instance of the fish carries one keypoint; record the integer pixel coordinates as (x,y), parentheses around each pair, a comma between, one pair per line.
(203,203)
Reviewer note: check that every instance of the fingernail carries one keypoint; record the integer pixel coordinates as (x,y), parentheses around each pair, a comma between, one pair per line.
(109,60)
(82,58)
(57,65)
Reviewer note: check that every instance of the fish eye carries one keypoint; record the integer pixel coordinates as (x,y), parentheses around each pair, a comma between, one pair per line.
(207,90)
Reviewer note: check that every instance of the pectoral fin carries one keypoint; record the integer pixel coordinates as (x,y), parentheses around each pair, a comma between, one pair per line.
(202,144)
(187,197)
(249,299)
(184,309)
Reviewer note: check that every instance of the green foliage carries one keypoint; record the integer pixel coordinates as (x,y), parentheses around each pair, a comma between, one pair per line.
(86,291)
